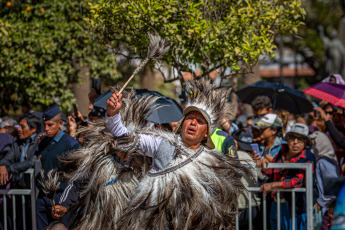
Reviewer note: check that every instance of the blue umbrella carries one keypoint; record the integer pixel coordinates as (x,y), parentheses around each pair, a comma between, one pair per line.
(282,96)
(170,112)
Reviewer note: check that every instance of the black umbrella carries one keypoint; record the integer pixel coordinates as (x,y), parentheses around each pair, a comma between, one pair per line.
(282,96)
(170,112)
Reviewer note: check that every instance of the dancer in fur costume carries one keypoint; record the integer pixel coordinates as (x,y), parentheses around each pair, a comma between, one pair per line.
(190,185)
(101,178)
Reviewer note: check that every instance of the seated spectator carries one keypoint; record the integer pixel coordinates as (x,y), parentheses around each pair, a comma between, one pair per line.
(262,105)
(22,154)
(269,127)
(10,130)
(294,151)
(326,167)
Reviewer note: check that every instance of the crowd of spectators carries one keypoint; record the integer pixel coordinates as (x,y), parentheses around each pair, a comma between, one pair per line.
(255,139)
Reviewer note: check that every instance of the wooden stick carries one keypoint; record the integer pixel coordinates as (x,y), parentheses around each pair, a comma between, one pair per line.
(134,73)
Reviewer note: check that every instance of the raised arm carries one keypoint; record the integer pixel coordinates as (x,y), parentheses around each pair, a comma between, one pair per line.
(148,143)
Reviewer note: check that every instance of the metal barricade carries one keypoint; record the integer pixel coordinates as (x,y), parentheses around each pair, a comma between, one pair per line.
(21,193)
(308,190)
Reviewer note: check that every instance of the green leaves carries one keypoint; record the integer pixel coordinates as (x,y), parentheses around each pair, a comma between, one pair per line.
(43,51)
(208,33)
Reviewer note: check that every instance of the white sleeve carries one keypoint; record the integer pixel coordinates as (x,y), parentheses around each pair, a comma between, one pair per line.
(149,143)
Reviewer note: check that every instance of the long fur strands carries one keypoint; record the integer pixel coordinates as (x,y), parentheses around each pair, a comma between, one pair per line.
(200,195)
(51,184)
(94,165)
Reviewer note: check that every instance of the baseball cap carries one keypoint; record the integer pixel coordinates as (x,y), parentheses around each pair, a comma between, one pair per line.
(267,121)
(244,138)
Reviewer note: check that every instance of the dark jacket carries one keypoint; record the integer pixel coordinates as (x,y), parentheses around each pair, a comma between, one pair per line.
(50,152)
(12,159)
(335,134)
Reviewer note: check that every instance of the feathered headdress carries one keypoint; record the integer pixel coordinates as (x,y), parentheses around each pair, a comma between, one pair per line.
(204,97)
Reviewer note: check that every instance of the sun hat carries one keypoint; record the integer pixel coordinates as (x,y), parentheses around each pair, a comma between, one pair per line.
(300,129)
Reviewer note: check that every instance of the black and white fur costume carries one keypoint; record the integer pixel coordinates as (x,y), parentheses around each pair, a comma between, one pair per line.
(101,178)
(184,189)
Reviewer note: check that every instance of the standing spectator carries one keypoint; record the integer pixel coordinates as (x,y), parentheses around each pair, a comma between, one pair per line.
(55,143)
(222,140)
(294,152)
(262,105)
(243,139)
(269,126)
(22,154)
(336,136)
(326,166)
(6,142)
(284,116)
(26,107)
(10,130)
(8,121)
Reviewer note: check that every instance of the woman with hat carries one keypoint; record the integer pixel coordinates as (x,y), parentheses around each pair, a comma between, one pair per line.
(294,151)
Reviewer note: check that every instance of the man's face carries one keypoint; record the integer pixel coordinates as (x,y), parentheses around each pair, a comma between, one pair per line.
(296,143)
(261,112)
(52,128)
(194,128)
(267,133)
(24,132)
(329,113)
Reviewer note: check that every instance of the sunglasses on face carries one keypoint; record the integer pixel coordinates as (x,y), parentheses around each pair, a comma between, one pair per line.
(299,139)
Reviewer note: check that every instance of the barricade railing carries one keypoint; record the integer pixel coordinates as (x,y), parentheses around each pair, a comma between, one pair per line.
(308,190)
(20,193)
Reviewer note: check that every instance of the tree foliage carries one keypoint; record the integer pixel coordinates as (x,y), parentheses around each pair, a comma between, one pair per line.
(44,48)
(309,44)
(208,35)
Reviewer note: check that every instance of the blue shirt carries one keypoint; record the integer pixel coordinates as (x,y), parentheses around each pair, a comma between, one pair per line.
(58,137)
(276,147)
(25,146)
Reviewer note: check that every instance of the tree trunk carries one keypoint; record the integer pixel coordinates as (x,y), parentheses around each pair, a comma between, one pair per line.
(82,89)
(147,79)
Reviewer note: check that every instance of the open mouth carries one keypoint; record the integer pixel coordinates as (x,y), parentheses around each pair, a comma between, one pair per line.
(191,131)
